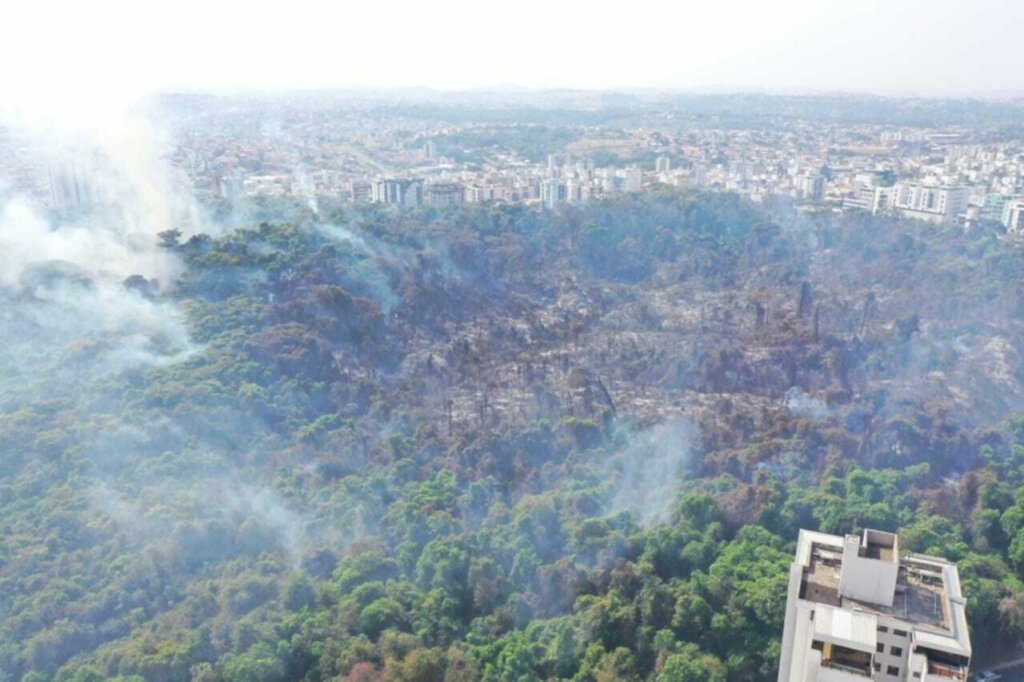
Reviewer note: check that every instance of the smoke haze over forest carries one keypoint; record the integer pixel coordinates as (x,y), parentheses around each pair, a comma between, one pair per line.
(262,420)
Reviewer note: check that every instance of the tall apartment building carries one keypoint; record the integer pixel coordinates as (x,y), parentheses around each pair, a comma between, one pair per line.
(573,191)
(405,191)
(858,610)
(632,180)
(1013,216)
(928,202)
(812,186)
(551,192)
(444,194)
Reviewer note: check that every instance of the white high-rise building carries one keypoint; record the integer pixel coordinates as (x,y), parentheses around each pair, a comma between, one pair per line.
(632,180)
(859,610)
(407,191)
(573,193)
(812,186)
(929,202)
(662,164)
(1013,216)
(551,192)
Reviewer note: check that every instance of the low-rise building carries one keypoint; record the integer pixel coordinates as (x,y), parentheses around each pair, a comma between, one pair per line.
(993,207)
(869,198)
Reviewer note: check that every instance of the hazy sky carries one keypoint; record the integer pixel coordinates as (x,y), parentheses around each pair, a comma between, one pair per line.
(922,46)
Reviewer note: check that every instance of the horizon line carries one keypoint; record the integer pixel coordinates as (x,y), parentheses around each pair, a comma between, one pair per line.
(513,88)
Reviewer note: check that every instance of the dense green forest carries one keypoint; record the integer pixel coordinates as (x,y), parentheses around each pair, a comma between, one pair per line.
(500,443)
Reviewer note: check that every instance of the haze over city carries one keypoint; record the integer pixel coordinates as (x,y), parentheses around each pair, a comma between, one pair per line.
(934,47)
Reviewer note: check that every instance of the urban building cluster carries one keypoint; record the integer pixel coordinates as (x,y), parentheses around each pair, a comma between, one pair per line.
(938,175)
(952,175)
(858,608)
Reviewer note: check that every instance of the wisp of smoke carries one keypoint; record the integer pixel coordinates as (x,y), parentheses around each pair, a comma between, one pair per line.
(305,188)
(648,470)
(265,507)
(801,404)
(150,513)
(366,270)
(66,311)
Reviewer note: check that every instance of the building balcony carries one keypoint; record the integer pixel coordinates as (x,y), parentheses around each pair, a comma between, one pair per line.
(941,672)
(840,663)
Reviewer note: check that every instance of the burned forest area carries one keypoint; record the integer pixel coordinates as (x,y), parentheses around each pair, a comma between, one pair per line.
(509,443)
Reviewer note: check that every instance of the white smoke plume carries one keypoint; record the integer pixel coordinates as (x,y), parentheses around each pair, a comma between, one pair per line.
(149,514)
(801,404)
(103,192)
(649,470)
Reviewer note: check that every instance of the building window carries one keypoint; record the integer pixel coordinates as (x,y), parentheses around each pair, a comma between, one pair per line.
(882,628)
(893,670)
(900,633)
(896,651)
(878,666)
(880,647)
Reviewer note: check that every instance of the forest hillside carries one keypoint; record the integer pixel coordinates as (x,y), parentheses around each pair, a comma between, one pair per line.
(498,443)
